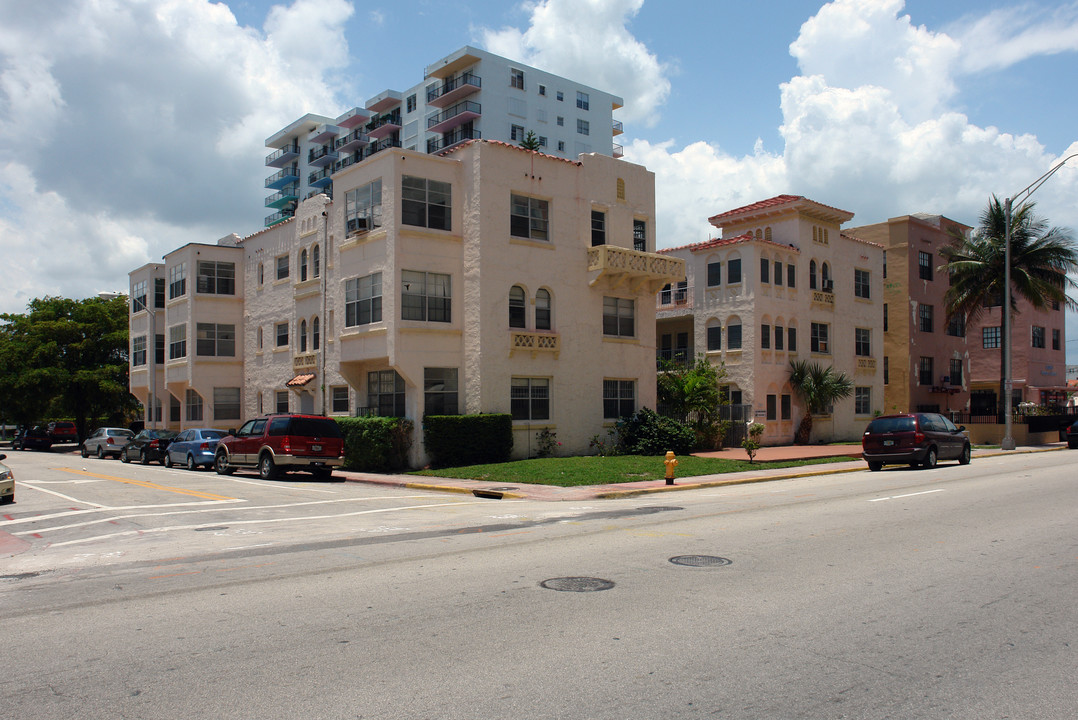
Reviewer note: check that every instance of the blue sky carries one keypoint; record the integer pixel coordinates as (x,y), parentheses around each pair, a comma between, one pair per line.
(131,127)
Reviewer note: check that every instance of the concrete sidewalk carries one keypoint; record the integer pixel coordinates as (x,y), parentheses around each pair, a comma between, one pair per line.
(843,455)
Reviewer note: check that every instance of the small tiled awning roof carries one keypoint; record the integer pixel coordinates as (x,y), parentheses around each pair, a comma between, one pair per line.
(300,380)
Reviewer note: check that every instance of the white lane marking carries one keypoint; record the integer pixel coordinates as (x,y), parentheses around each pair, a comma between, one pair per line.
(107,508)
(895,497)
(216,508)
(32,486)
(147,531)
(280,487)
(248,547)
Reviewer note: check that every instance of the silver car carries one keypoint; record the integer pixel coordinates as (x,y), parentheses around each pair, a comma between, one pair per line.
(106,441)
(7,483)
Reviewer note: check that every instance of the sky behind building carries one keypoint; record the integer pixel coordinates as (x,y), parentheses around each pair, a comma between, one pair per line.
(132,127)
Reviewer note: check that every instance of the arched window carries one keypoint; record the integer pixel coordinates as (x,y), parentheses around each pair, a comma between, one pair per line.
(261,272)
(767,233)
(316,335)
(812,274)
(303,336)
(516,307)
(714,335)
(316,261)
(259,338)
(759,234)
(825,275)
(542,310)
(303,264)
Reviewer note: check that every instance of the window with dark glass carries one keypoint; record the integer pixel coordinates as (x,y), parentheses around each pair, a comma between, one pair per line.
(733,337)
(138,351)
(619,317)
(861,283)
(924,375)
(177,277)
(216,278)
(517,305)
(778,272)
(529,217)
(772,407)
(215,340)
(303,265)
(282,334)
(924,314)
(530,398)
(818,338)
(159,349)
(1055,339)
(765,336)
(138,296)
(990,337)
(282,267)
(862,342)
(714,274)
(440,391)
(542,309)
(765,270)
(363,300)
(582,101)
(791,336)
(158,292)
(956,326)
(862,400)
(177,342)
(226,403)
(812,274)
(598,228)
(924,265)
(385,393)
(791,275)
(363,207)
(1038,336)
(426,296)
(714,338)
(786,407)
(733,271)
(426,203)
(619,398)
(780,336)
(955,375)
(640,235)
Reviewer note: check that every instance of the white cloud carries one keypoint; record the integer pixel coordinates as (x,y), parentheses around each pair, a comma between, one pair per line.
(1007,36)
(589,41)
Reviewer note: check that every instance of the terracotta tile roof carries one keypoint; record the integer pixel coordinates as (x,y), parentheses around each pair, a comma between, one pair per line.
(300,380)
(771,203)
(720,242)
(863,242)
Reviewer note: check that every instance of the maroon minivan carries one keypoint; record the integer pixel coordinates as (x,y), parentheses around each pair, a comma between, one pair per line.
(913,439)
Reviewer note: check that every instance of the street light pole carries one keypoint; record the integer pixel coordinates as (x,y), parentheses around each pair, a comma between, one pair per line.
(1005,322)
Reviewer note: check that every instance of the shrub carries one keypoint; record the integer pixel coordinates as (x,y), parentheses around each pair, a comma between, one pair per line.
(547,444)
(752,442)
(376,444)
(456,440)
(647,433)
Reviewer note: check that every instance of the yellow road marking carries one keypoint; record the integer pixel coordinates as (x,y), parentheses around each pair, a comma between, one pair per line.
(152,486)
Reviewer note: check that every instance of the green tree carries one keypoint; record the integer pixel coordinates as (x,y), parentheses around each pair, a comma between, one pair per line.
(691,394)
(1041,259)
(531,142)
(818,387)
(65,358)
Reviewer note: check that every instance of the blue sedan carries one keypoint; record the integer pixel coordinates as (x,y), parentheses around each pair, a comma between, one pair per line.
(193,447)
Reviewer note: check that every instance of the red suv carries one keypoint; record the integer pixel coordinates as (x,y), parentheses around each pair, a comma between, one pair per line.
(914,439)
(278,443)
(63,432)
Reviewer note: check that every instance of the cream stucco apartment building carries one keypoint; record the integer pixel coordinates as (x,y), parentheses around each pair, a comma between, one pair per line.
(781,283)
(467,95)
(486,279)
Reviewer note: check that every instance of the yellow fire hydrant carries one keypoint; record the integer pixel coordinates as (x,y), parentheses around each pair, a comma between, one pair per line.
(670,462)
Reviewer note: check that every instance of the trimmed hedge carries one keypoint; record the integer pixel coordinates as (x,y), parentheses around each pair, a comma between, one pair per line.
(647,433)
(376,444)
(458,440)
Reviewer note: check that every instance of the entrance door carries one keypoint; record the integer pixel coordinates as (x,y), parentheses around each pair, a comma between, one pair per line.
(306,403)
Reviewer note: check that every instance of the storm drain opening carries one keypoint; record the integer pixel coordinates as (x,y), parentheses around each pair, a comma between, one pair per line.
(577,584)
(215,527)
(700,560)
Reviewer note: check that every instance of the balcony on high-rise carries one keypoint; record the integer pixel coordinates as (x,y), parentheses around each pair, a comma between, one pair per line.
(384,125)
(618,128)
(352,141)
(453,89)
(322,156)
(282,198)
(283,156)
(320,178)
(279,216)
(454,116)
(451,140)
(286,176)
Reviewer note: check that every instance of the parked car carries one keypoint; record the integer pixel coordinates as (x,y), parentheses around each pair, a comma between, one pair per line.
(7,483)
(914,439)
(106,441)
(1071,435)
(277,443)
(193,447)
(148,445)
(35,437)
(63,432)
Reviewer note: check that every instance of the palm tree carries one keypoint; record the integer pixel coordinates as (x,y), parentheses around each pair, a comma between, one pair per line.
(819,387)
(1041,259)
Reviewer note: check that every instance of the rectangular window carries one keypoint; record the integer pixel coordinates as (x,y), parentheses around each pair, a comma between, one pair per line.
(213,340)
(193,402)
(956,326)
(787,413)
(1038,336)
(733,337)
(542,89)
(598,228)
(640,235)
(582,100)
(385,393)
(363,207)
(885,317)
(440,391)
(426,203)
(340,399)
(177,281)
(619,317)
(778,272)
(862,400)
(425,296)
(619,398)
(765,337)
(772,407)
(409,103)
(561,123)
(791,336)
(780,335)
(791,275)
(158,292)
(516,132)
(583,127)
(138,351)
(1055,339)
(282,334)
(363,300)
(990,337)
(714,274)
(862,342)
(818,340)
(765,271)
(138,296)
(924,265)
(924,374)
(955,369)
(529,217)
(281,404)
(177,342)
(924,314)
(282,267)
(226,403)
(714,338)
(886,371)
(530,398)
(216,278)
(560,96)
(861,283)
(561,146)
(733,272)
(516,78)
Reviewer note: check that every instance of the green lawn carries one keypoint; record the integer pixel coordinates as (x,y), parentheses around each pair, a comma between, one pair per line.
(594,470)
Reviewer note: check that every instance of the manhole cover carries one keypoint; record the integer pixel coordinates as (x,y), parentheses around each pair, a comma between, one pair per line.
(700,560)
(215,527)
(577,584)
